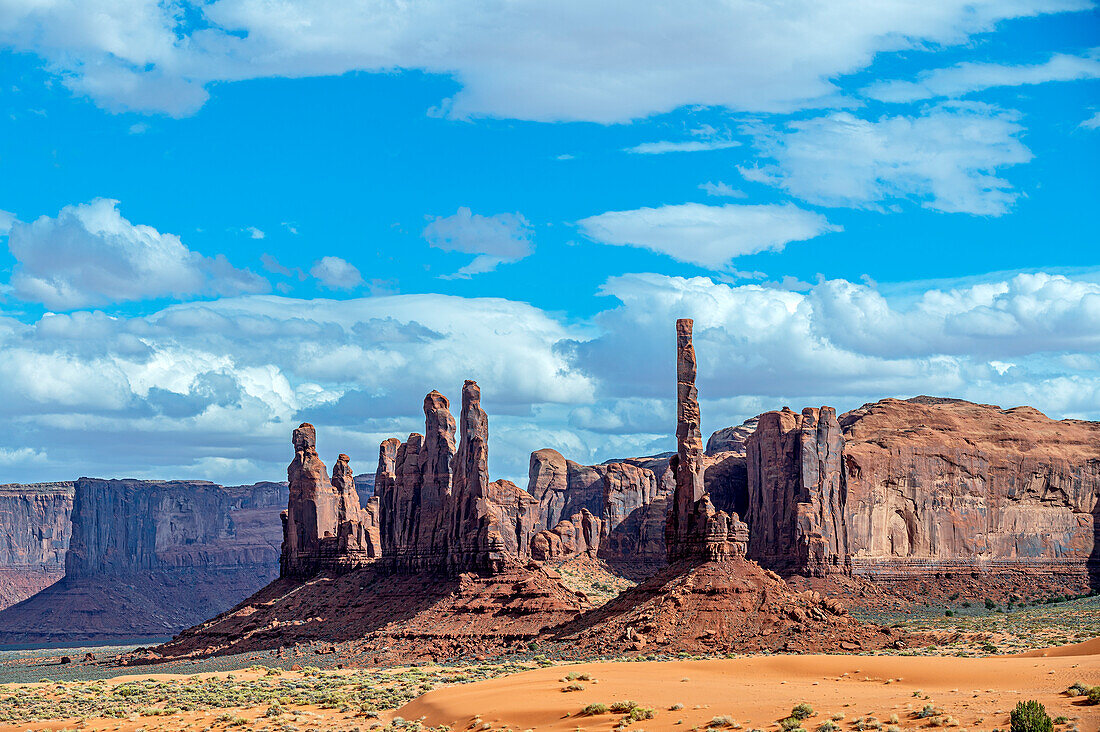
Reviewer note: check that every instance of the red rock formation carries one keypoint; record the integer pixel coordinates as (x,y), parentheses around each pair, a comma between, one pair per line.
(516,513)
(615,511)
(324,526)
(943,485)
(34,534)
(148,558)
(796,492)
(695,529)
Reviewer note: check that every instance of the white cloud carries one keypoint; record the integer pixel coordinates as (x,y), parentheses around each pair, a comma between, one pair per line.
(7,219)
(255,233)
(1092,122)
(721,189)
(666,146)
(965,78)
(213,389)
(497,239)
(709,236)
(336,273)
(570,60)
(89,255)
(947,158)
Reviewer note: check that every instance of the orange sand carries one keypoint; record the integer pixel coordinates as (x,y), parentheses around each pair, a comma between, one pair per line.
(758,691)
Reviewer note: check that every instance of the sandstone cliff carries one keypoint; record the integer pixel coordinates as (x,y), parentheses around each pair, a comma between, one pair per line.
(614,511)
(35,524)
(937,485)
(147,558)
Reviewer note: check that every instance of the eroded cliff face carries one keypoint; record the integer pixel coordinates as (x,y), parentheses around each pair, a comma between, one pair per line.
(147,558)
(936,485)
(439,511)
(324,525)
(35,535)
(614,511)
(796,492)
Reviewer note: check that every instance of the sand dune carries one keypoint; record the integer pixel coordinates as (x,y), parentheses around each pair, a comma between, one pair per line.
(977,693)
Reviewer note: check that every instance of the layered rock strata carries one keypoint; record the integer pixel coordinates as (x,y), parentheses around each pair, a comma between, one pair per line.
(35,524)
(695,528)
(943,485)
(147,558)
(903,488)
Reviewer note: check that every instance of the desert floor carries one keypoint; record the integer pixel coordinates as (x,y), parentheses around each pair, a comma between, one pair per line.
(756,692)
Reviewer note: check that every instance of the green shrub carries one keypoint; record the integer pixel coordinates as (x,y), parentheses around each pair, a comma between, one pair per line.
(989,604)
(802,710)
(574,686)
(594,709)
(828,726)
(1031,716)
(789,724)
(1094,695)
(723,720)
(621,707)
(1078,689)
(927,711)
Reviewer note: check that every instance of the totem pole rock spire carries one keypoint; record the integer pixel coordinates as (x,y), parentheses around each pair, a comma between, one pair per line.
(695,529)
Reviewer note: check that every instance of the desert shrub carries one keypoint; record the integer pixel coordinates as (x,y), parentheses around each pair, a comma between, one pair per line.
(1094,695)
(637,714)
(594,709)
(676,707)
(722,720)
(1078,689)
(828,726)
(574,686)
(989,604)
(802,710)
(948,614)
(1061,720)
(621,707)
(927,711)
(789,724)
(1031,716)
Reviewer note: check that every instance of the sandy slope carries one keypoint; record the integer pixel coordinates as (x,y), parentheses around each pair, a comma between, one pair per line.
(758,691)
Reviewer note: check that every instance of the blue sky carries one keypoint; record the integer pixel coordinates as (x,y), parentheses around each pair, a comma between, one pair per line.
(221,219)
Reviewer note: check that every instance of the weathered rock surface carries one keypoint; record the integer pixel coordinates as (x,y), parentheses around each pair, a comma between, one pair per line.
(324,525)
(732,439)
(614,511)
(147,558)
(34,534)
(796,492)
(695,528)
(941,485)
(395,617)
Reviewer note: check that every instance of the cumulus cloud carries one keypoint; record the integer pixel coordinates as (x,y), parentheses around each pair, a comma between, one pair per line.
(89,255)
(496,240)
(571,60)
(335,273)
(969,77)
(947,158)
(213,389)
(709,236)
(1092,122)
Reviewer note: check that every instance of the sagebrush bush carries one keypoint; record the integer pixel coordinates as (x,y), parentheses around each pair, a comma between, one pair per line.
(1031,716)
(802,710)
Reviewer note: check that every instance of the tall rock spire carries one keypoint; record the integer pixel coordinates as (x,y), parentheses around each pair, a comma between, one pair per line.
(311,509)
(694,528)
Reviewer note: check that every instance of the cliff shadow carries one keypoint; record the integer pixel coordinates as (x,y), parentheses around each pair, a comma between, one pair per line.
(635,549)
(325,608)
